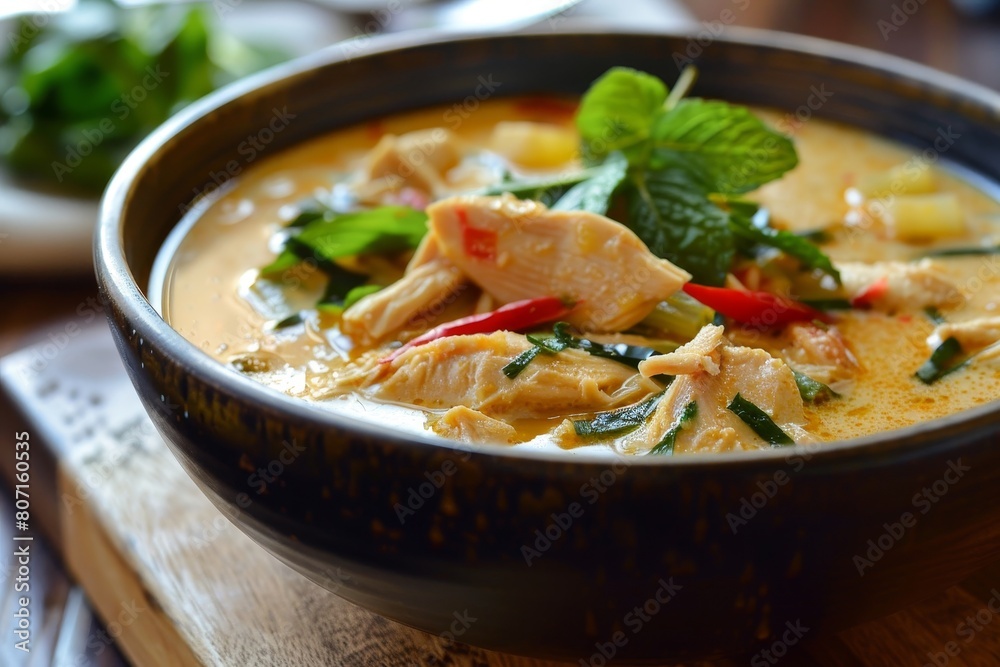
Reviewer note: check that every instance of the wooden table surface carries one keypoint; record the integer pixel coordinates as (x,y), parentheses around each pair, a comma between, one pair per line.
(933,34)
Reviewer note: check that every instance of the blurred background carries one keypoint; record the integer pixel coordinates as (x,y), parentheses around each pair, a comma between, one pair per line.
(79,88)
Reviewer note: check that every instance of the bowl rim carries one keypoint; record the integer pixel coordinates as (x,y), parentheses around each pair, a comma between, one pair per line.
(120,287)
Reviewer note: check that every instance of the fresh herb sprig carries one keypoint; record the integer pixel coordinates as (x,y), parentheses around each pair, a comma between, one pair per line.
(323,236)
(678,166)
(561,339)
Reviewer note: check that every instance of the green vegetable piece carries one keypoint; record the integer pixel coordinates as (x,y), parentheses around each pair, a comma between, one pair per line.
(283,262)
(964,252)
(666,444)
(670,212)
(813,391)
(791,244)
(378,230)
(759,421)
(630,355)
(729,144)
(618,111)
(616,422)
(595,193)
(520,362)
(940,363)
(290,321)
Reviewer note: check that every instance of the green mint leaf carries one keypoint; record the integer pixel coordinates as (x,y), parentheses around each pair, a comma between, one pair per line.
(728,143)
(618,111)
(671,213)
(595,193)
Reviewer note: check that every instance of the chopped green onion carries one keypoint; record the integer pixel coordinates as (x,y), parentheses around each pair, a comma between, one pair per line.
(615,422)
(759,421)
(521,361)
(550,345)
(939,365)
(962,252)
(666,444)
(630,355)
(813,391)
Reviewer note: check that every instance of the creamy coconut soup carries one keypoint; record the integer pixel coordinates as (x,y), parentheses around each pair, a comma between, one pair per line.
(635,270)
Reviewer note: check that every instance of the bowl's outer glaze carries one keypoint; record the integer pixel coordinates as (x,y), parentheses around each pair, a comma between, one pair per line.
(332,507)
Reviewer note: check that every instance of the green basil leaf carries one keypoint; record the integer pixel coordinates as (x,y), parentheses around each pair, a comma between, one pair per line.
(759,421)
(618,111)
(284,261)
(595,193)
(941,361)
(809,255)
(378,230)
(666,444)
(732,147)
(813,391)
(670,212)
(520,362)
(615,422)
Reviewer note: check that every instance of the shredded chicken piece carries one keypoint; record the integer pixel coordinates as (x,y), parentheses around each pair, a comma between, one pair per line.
(471,426)
(980,336)
(971,334)
(910,285)
(387,310)
(467,370)
(416,159)
(763,380)
(699,354)
(517,250)
(820,353)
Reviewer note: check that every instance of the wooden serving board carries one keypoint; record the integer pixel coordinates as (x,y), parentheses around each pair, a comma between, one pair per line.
(179,585)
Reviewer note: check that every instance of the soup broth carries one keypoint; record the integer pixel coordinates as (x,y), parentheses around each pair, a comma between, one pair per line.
(900,305)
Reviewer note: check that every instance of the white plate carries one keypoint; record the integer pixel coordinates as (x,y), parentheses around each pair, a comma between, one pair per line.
(45,234)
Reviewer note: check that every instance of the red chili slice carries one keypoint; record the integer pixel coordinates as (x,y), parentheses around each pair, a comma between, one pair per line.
(515,316)
(758,308)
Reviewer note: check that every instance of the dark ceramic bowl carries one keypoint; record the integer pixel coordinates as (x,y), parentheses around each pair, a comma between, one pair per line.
(649,559)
